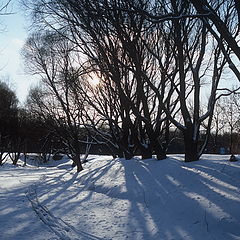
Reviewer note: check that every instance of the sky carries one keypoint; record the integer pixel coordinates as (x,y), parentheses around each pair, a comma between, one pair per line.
(12,38)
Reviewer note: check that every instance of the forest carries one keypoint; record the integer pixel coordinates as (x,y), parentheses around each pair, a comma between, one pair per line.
(127,78)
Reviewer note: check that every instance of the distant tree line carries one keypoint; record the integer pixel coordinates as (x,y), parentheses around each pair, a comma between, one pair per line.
(23,132)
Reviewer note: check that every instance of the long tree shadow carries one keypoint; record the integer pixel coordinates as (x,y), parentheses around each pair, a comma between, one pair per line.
(17,219)
(52,185)
(60,191)
(183,201)
(148,199)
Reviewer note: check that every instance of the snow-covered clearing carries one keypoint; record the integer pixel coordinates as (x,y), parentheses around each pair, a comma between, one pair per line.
(122,199)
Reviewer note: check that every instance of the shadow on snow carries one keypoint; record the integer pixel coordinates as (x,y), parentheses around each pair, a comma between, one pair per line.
(138,199)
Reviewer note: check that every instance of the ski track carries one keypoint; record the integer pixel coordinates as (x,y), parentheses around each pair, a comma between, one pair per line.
(63,230)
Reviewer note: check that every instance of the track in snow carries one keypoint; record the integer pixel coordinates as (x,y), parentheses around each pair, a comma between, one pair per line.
(63,230)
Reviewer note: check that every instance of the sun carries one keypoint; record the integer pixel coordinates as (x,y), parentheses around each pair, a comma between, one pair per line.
(95,81)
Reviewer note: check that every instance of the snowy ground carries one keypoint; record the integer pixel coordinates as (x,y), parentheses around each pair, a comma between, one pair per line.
(122,199)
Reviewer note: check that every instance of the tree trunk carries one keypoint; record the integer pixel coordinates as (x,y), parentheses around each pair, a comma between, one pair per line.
(191,148)
(1,159)
(120,155)
(231,140)
(79,167)
(15,160)
(157,147)
(77,162)
(202,8)
(25,159)
(161,155)
(159,151)
(147,153)
(128,155)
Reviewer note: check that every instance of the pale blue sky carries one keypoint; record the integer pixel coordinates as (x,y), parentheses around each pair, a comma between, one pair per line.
(12,40)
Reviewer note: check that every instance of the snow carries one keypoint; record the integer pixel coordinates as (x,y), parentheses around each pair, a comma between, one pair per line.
(121,199)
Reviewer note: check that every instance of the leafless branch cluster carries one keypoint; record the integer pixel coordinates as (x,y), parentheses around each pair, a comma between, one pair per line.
(151,58)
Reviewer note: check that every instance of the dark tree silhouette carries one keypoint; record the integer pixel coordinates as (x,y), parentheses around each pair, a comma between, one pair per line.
(8,117)
(154,56)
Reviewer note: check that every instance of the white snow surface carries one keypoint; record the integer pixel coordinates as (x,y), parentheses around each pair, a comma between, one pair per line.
(122,199)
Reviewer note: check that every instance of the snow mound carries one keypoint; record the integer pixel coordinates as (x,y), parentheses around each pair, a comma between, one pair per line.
(129,199)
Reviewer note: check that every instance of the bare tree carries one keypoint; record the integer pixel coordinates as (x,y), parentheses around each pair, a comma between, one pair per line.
(230,116)
(3,7)
(225,17)
(115,44)
(8,117)
(50,56)
(192,42)
(218,126)
(221,18)
(156,55)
